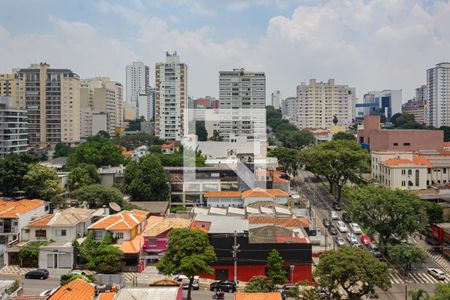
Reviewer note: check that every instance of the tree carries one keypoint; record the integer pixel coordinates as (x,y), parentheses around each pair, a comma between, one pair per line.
(299,139)
(132,141)
(86,248)
(275,271)
(155,149)
(201,131)
(283,129)
(435,213)
(419,294)
(446,130)
(259,284)
(335,120)
(61,150)
(342,135)
(393,214)
(216,136)
(98,151)
(83,175)
(188,252)
(135,125)
(41,182)
(97,195)
(353,270)
(66,278)
(338,161)
(288,158)
(406,255)
(103,134)
(442,292)
(107,259)
(13,168)
(146,180)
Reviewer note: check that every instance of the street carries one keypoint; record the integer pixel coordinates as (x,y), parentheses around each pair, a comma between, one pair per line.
(34,286)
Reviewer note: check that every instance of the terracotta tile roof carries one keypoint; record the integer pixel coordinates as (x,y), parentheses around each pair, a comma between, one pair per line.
(284,222)
(124,220)
(127,153)
(13,209)
(277,179)
(222,194)
(291,239)
(76,289)
(258,296)
(132,246)
(258,192)
(106,296)
(417,161)
(165,282)
(201,225)
(170,145)
(40,222)
(165,225)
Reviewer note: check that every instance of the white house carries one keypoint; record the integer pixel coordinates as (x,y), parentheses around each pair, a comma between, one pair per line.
(239,199)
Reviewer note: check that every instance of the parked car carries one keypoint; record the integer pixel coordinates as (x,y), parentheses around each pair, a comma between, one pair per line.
(48,293)
(337,206)
(351,238)
(346,218)
(341,226)
(365,240)
(185,280)
(37,274)
(437,273)
(340,241)
(334,215)
(355,228)
(326,222)
(224,285)
(333,230)
(374,250)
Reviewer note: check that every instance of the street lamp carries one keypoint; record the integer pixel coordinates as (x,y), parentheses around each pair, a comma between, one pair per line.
(291,268)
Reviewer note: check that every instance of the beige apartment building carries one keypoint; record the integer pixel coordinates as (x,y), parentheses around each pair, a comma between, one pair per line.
(12,86)
(102,106)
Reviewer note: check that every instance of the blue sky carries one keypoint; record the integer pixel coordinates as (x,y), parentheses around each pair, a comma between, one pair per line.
(367,44)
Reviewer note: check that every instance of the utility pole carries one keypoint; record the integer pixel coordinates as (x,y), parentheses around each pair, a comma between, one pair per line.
(235,252)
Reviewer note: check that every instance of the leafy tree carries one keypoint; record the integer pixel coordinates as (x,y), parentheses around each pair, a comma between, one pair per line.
(405,121)
(216,136)
(288,158)
(442,292)
(107,259)
(135,125)
(435,213)
(58,201)
(97,195)
(283,129)
(406,255)
(394,118)
(446,130)
(343,135)
(29,255)
(188,252)
(419,294)
(87,248)
(275,271)
(61,150)
(98,151)
(146,180)
(335,120)
(338,161)
(83,175)
(353,270)
(132,141)
(201,131)
(41,182)
(103,134)
(299,139)
(259,284)
(155,149)
(393,214)
(13,168)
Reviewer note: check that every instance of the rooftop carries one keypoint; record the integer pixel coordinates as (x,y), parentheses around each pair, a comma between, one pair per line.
(258,296)
(165,225)
(76,289)
(124,220)
(13,209)
(223,224)
(153,292)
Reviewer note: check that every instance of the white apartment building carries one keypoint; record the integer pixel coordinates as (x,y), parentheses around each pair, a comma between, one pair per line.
(288,107)
(138,90)
(171,97)
(276,99)
(13,128)
(438,99)
(319,102)
(242,98)
(101,106)
(386,103)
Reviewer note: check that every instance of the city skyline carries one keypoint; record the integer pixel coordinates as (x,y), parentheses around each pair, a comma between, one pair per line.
(376,45)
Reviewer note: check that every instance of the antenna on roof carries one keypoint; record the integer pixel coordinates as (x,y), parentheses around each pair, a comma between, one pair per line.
(114,206)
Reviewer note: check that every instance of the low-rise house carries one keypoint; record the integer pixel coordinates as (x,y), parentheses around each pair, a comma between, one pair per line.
(156,237)
(15,215)
(152,292)
(240,199)
(169,148)
(258,296)
(76,289)
(111,175)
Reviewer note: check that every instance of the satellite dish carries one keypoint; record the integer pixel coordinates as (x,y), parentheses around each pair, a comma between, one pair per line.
(114,206)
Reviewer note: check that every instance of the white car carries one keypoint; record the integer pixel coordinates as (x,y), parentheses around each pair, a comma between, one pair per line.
(48,293)
(334,215)
(437,273)
(351,238)
(185,280)
(340,241)
(341,226)
(355,228)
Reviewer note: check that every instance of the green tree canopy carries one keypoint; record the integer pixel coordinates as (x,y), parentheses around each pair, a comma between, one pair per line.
(201,131)
(393,214)
(13,168)
(275,271)
(146,180)
(132,141)
(418,294)
(61,150)
(435,213)
(299,139)
(406,255)
(98,151)
(259,284)
(135,125)
(107,259)
(188,252)
(442,292)
(97,195)
(446,130)
(343,135)
(41,182)
(338,161)
(288,158)
(83,175)
(353,270)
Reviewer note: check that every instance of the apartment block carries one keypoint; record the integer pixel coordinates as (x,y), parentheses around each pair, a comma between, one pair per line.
(171,97)
(415,108)
(242,97)
(13,128)
(276,99)
(139,93)
(384,103)
(318,103)
(288,107)
(438,99)
(52,100)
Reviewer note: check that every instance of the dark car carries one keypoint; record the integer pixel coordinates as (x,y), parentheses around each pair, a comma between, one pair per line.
(346,218)
(224,285)
(333,230)
(337,206)
(37,274)
(374,250)
(326,222)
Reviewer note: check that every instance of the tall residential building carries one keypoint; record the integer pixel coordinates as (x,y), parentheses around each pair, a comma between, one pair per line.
(12,86)
(242,96)
(386,103)
(288,107)
(318,103)
(422,93)
(438,99)
(416,108)
(13,128)
(276,99)
(138,90)
(52,101)
(171,97)
(101,106)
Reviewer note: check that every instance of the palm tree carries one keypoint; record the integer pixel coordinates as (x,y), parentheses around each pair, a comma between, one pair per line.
(419,294)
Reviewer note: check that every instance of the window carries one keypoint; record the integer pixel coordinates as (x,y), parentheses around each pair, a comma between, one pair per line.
(98,234)
(429,171)
(406,144)
(395,144)
(27,230)
(409,172)
(444,170)
(118,235)
(61,232)
(403,183)
(41,233)
(152,242)
(403,172)
(417,178)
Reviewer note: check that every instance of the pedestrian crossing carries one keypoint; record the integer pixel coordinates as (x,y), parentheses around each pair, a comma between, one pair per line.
(416,277)
(439,259)
(14,270)
(130,276)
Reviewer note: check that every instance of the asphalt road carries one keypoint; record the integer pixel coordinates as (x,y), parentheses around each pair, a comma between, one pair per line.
(34,286)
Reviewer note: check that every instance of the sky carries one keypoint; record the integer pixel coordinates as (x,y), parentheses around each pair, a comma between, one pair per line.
(366,44)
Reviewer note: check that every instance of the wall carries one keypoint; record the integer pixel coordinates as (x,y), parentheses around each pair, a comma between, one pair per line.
(161,243)
(223,149)
(224,202)
(250,200)
(25,218)
(67,252)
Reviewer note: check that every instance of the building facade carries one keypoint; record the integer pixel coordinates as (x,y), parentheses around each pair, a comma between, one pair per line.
(438,91)
(288,107)
(171,97)
(318,103)
(276,99)
(13,128)
(384,103)
(139,93)
(242,97)
(416,108)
